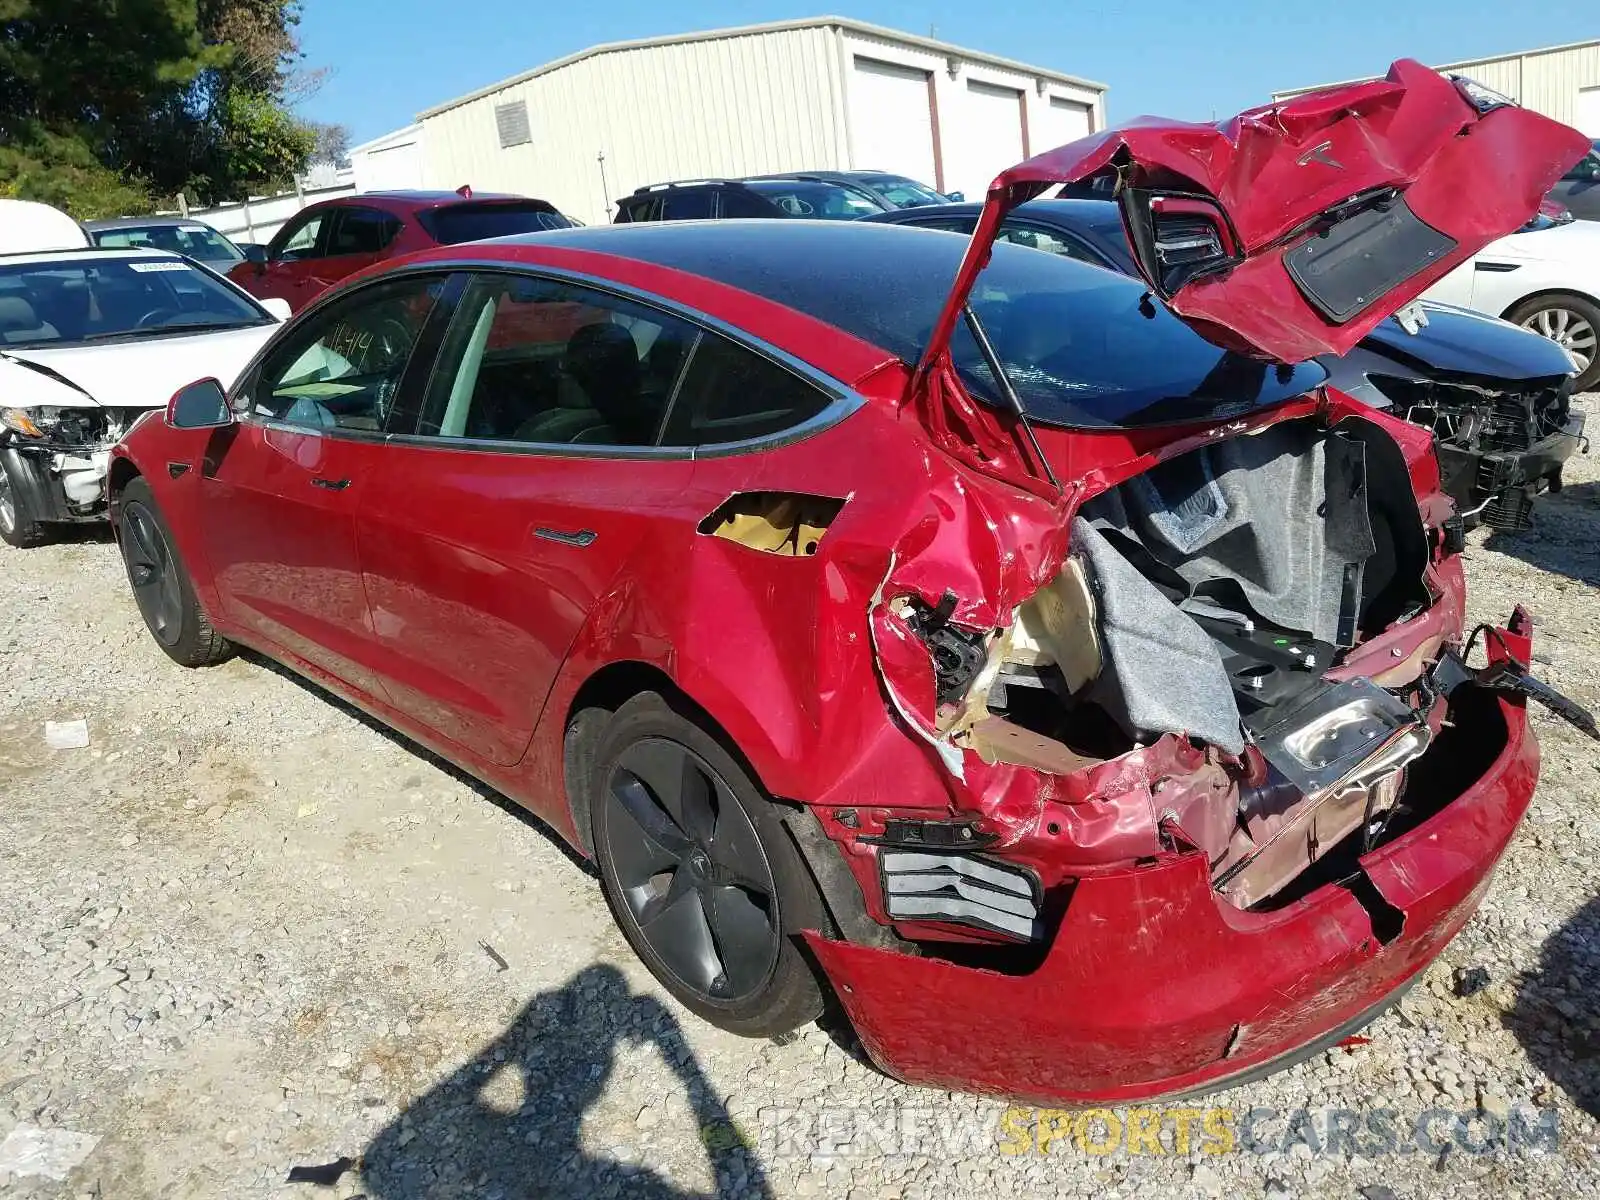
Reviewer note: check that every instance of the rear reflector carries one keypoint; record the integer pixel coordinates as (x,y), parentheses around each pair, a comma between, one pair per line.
(958,888)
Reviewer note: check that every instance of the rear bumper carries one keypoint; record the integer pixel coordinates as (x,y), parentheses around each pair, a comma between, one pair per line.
(1155,987)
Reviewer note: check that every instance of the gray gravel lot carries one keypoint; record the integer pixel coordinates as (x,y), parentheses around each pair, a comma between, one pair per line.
(247,930)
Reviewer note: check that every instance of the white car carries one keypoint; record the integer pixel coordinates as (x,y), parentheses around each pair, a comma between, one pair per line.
(27,225)
(89,341)
(1545,277)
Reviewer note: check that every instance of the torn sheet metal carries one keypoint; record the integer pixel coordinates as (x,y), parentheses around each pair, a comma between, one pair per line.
(1409,174)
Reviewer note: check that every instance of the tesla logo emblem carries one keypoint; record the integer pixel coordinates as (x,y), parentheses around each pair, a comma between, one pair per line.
(1320,153)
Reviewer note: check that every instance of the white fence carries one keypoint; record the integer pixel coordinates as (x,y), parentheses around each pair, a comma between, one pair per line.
(257,219)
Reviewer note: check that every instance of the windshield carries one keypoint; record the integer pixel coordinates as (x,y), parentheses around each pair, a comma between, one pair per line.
(806,198)
(66,301)
(197,241)
(458,223)
(905,193)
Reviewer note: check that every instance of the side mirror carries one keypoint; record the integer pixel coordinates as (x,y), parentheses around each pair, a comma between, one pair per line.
(955,197)
(278,307)
(200,405)
(255,254)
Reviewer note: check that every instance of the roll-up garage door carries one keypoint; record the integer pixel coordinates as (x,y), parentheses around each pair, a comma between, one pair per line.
(891,120)
(991,135)
(1060,122)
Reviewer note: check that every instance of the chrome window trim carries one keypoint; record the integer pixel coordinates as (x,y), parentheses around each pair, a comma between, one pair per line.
(844,400)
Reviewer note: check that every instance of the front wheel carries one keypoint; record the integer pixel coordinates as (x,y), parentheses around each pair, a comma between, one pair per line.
(161,586)
(700,875)
(1573,323)
(18,527)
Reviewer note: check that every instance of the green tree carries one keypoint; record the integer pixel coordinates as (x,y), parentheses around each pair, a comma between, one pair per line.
(105,104)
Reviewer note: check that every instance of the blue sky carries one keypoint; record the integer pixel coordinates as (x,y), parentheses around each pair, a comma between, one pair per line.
(1172,57)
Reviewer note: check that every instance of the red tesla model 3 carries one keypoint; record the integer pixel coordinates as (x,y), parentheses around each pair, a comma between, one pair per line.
(1044,663)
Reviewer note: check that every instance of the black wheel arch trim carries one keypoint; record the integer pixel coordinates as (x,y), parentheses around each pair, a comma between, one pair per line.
(34,490)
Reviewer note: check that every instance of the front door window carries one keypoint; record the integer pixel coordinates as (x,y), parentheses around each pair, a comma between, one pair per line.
(343,368)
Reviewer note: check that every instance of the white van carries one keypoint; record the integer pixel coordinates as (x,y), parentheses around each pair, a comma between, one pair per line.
(27,226)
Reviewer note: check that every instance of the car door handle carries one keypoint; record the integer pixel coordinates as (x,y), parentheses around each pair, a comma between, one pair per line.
(333,485)
(574,537)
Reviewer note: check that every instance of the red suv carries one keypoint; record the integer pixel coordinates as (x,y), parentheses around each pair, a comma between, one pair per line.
(325,242)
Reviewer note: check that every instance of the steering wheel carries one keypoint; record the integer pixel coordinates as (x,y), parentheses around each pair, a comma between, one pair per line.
(155,315)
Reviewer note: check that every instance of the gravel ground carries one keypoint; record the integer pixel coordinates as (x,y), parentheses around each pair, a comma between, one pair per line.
(246,930)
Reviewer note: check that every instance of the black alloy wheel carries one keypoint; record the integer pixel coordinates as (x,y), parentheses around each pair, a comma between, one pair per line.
(152,573)
(692,871)
(160,582)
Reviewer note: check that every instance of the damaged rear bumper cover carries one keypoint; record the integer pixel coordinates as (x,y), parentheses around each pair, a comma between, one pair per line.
(1154,985)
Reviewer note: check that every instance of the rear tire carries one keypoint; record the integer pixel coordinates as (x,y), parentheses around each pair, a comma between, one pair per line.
(161,584)
(18,526)
(700,874)
(1572,322)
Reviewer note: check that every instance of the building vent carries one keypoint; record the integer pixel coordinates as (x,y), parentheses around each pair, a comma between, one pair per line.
(511,123)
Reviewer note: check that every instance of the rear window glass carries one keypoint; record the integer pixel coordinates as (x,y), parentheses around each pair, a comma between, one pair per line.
(475,222)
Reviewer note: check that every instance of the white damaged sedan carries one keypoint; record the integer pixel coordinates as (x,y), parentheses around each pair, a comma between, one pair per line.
(89,341)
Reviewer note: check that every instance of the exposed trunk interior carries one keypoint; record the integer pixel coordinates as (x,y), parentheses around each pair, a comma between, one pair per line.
(1209,597)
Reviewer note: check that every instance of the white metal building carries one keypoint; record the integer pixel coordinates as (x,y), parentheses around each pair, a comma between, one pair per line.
(825,93)
(392,161)
(1559,81)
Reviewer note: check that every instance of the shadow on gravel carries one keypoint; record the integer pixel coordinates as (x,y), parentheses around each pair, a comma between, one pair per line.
(1557,1013)
(1565,537)
(93,533)
(469,1135)
(255,658)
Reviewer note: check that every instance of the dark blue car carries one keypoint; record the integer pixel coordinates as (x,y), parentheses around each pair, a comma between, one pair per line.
(1496,396)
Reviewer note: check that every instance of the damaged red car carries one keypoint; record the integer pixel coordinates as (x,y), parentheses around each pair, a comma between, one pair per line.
(1044,663)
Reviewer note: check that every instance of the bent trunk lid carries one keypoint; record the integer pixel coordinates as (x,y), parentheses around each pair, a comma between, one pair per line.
(1286,232)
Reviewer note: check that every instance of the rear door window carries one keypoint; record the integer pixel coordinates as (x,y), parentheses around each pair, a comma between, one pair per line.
(640,208)
(736,202)
(689,204)
(815,200)
(362,231)
(542,362)
(1036,237)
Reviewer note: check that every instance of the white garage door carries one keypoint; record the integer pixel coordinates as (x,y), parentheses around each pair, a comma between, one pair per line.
(1587,118)
(891,120)
(1060,122)
(990,136)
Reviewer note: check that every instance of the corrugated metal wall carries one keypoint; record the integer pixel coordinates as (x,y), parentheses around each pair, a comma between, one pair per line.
(1551,82)
(986,116)
(727,106)
(1547,81)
